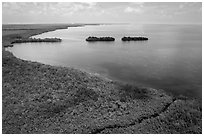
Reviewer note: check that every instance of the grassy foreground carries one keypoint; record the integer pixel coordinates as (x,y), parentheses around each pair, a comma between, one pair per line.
(38,98)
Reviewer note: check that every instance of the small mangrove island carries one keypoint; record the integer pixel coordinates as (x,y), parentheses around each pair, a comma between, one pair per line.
(134,39)
(36,40)
(92,39)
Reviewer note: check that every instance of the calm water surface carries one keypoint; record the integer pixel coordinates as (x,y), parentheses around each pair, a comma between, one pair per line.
(171,59)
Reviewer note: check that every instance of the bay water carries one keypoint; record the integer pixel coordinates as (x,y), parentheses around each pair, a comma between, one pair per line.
(171,59)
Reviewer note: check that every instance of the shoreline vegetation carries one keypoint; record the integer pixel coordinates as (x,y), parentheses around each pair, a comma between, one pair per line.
(39,98)
(36,40)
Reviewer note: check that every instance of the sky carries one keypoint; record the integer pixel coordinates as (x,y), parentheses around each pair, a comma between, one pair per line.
(102,12)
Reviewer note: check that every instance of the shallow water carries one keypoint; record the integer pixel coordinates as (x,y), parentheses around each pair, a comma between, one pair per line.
(171,59)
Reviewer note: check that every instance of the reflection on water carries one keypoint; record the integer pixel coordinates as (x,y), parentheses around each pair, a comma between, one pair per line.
(171,59)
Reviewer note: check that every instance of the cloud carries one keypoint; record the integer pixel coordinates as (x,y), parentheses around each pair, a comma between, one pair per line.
(91,4)
(133,10)
(181,6)
(140,4)
(102,11)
